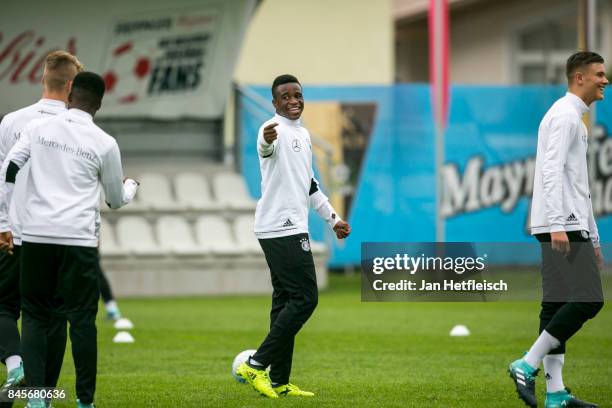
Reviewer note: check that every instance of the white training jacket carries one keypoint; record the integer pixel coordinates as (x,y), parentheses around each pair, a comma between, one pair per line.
(561,195)
(10,131)
(288,187)
(70,159)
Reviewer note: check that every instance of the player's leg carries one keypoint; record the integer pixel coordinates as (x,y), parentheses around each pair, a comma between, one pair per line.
(56,343)
(280,367)
(80,290)
(586,294)
(253,371)
(110,304)
(298,278)
(39,264)
(10,306)
(280,297)
(564,278)
(586,297)
(554,294)
(555,288)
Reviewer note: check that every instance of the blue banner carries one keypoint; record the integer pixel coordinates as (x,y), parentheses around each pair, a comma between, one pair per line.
(490,147)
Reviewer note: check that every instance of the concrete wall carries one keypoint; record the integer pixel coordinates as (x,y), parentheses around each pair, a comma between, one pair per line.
(196,276)
(320,41)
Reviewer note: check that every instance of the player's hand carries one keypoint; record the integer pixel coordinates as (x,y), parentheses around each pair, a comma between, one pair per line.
(342,229)
(560,242)
(6,242)
(599,259)
(269,133)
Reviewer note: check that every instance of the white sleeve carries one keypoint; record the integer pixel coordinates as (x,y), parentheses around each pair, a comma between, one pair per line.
(555,157)
(265,149)
(116,192)
(16,158)
(320,203)
(4,137)
(593,231)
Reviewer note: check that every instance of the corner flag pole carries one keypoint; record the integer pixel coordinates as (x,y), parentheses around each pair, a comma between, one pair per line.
(438,74)
(586,41)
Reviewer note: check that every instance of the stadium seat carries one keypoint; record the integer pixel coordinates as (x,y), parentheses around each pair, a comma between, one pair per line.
(193,192)
(176,236)
(214,235)
(245,237)
(230,191)
(136,235)
(155,193)
(108,245)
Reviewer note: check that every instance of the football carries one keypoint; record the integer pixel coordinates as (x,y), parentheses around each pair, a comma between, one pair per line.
(239,359)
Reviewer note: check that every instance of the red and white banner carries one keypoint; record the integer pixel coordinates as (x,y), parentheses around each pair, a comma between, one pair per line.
(438,60)
(438,74)
(159,59)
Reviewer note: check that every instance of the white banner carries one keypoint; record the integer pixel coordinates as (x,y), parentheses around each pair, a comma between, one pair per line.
(159,59)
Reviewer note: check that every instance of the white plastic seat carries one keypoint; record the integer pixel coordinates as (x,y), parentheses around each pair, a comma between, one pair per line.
(245,237)
(214,235)
(155,193)
(175,236)
(193,192)
(136,235)
(231,192)
(108,244)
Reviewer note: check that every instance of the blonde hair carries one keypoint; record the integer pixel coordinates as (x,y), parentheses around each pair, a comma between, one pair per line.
(60,68)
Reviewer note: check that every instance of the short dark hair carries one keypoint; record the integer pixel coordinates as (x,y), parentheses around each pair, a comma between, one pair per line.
(89,82)
(284,79)
(579,60)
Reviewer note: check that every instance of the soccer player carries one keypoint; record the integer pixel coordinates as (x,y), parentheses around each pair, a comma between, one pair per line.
(288,188)
(59,71)
(70,159)
(562,220)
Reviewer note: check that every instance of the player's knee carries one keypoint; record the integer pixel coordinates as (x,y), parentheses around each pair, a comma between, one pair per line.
(597,306)
(310,302)
(549,309)
(589,309)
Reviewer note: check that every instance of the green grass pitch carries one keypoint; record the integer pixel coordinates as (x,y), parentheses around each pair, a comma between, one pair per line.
(351,354)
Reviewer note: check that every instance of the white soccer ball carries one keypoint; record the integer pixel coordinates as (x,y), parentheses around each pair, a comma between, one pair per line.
(239,359)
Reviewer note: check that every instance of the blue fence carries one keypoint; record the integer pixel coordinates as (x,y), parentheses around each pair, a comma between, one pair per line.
(490,150)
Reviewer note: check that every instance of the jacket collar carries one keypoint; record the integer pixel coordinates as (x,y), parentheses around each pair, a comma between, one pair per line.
(80,114)
(52,102)
(281,119)
(577,103)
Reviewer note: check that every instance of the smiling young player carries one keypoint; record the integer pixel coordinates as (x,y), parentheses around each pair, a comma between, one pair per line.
(288,189)
(562,220)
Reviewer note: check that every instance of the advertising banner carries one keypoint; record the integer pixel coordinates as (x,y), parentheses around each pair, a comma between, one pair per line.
(159,60)
(490,147)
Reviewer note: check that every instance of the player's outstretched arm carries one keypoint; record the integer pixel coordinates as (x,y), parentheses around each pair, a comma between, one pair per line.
(265,140)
